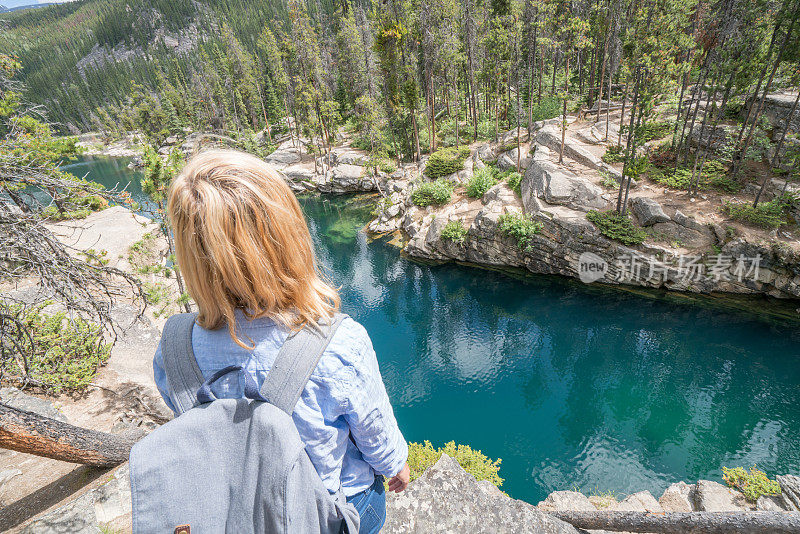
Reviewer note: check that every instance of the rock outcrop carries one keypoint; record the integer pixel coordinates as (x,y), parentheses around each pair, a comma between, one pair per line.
(446,499)
(544,180)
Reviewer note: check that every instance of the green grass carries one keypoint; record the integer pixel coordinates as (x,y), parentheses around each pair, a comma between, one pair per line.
(519,227)
(454,231)
(63,353)
(753,484)
(432,193)
(446,161)
(618,227)
(423,455)
(481,181)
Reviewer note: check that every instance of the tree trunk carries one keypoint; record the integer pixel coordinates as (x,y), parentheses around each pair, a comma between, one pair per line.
(776,157)
(603,76)
(739,155)
(592,69)
(622,115)
(630,139)
(760,80)
(696,109)
(685,522)
(563,131)
(30,433)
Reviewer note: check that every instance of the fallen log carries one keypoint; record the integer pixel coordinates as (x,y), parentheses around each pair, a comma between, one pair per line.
(685,522)
(35,434)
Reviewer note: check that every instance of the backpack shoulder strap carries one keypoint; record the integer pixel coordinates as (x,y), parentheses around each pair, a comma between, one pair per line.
(296,360)
(183,374)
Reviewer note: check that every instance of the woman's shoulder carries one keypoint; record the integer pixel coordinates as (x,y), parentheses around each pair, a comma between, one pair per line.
(347,349)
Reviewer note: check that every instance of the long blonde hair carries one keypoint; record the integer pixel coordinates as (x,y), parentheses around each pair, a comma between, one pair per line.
(241,242)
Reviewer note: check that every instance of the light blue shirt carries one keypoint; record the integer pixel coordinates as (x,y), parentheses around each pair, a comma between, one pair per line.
(345,396)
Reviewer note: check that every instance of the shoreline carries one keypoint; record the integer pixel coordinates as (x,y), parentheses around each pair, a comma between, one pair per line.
(415,232)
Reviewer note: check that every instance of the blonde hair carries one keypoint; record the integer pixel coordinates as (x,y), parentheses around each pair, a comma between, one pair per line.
(241,241)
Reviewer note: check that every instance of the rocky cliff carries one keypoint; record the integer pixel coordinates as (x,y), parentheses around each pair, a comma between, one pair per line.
(680,252)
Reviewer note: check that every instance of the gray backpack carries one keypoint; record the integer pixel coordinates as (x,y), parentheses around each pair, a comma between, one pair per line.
(234,465)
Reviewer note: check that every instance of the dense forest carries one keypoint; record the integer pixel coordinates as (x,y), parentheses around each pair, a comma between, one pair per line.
(405,76)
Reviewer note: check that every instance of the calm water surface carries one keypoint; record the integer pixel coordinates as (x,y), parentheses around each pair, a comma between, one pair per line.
(572,386)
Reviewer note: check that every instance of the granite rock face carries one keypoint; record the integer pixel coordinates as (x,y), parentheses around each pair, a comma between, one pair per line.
(557,185)
(446,499)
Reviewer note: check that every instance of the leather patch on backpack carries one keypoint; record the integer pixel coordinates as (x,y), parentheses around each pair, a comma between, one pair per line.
(183,529)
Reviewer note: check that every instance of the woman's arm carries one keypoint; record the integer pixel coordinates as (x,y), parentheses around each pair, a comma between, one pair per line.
(371,419)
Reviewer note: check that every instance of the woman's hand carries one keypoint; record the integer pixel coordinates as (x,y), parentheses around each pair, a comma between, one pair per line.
(399,482)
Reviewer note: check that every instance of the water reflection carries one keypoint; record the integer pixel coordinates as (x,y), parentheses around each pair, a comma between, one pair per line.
(571,386)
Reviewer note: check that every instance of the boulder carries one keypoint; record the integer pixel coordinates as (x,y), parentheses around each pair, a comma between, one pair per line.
(505,162)
(688,222)
(349,157)
(772,503)
(714,497)
(790,489)
(448,499)
(648,211)
(557,185)
(642,501)
(566,501)
(486,153)
(508,160)
(299,173)
(677,497)
(283,157)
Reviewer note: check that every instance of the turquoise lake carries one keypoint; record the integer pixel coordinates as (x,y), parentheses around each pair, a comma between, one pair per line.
(573,386)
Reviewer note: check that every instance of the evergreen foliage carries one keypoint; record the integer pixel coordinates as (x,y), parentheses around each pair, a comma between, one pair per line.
(618,227)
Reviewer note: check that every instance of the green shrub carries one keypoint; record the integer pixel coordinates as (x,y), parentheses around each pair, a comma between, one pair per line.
(63,354)
(454,231)
(618,227)
(422,456)
(514,180)
(765,215)
(427,193)
(752,484)
(519,227)
(446,161)
(548,108)
(155,293)
(614,154)
(714,176)
(481,181)
(651,131)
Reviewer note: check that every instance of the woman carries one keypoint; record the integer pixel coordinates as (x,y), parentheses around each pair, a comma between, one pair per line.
(246,256)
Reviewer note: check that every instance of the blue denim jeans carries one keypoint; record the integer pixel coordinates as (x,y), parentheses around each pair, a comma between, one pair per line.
(371,506)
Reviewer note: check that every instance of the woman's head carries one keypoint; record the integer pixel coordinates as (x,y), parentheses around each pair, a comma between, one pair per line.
(241,242)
